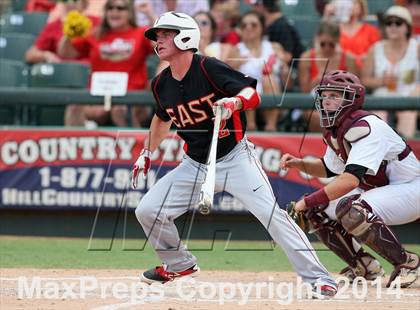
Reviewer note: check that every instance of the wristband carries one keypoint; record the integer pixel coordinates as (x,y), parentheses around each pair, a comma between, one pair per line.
(249,98)
(146,153)
(319,198)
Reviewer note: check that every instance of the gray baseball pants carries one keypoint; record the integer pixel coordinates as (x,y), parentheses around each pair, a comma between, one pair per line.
(240,174)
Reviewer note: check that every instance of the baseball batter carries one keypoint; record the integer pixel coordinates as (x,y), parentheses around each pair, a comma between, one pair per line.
(186,93)
(377,183)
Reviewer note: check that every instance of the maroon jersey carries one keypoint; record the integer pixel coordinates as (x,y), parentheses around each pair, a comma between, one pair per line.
(188,104)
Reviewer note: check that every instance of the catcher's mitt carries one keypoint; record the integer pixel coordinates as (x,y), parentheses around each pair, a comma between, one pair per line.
(76,25)
(299,217)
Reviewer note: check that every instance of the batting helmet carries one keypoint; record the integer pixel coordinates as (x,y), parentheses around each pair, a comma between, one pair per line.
(352,100)
(188,36)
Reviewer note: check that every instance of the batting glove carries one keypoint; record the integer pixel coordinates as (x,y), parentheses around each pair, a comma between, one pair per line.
(227,105)
(142,164)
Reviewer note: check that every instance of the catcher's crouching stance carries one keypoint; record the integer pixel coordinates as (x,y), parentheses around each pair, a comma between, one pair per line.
(377,184)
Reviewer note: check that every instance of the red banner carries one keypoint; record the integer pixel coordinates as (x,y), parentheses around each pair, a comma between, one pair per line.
(91,169)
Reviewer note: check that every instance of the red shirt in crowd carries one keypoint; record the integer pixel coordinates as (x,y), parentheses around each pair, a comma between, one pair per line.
(359,43)
(39,5)
(314,71)
(124,51)
(231,37)
(50,36)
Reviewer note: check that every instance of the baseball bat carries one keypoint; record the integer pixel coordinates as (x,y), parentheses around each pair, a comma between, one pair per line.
(207,189)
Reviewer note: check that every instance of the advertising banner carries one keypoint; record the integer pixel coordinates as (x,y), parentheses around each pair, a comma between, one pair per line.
(80,169)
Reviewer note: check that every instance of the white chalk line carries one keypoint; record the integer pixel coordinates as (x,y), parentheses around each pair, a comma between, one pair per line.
(249,300)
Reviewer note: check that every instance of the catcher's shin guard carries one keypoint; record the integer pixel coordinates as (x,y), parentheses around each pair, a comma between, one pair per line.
(344,245)
(356,216)
(334,236)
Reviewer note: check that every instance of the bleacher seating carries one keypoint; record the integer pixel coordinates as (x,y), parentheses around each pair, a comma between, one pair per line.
(23,22)
(72,75)
(18,5)
(18,30)
(375,6)
(14,45)
(13,73)
(306,27)
(69,75)
(292,8)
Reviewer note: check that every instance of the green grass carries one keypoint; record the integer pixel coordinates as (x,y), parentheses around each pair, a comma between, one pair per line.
(33,252)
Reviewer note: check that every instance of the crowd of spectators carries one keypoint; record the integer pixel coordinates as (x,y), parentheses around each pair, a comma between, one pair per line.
(392,66)
(118,44)
(255,37)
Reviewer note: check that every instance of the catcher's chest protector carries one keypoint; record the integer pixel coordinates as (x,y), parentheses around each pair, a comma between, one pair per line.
(351,130)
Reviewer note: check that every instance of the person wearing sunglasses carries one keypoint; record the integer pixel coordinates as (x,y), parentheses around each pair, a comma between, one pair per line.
(208,45)
(116,45)
(326,55)
(45,47)
(265,61)
(393,68)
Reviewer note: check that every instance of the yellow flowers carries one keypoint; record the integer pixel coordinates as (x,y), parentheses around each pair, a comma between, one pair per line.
(76,25)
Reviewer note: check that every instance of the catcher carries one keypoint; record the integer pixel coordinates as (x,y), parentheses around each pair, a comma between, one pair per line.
(377,184)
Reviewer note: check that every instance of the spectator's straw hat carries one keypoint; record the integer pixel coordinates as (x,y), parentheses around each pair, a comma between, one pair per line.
(400,12)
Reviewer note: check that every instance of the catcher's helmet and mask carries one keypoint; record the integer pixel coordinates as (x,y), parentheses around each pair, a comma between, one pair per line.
(353,96)
(188,36)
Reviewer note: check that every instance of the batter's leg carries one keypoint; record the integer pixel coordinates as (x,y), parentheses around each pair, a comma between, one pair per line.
(169,198)
(247,182)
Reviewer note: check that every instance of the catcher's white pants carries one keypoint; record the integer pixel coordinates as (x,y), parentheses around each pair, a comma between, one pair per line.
(395,204)
(240,174)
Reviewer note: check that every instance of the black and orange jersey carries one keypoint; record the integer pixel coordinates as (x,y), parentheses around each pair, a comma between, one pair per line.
(188,104)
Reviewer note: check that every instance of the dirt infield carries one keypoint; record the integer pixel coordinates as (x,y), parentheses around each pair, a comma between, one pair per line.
(120,289)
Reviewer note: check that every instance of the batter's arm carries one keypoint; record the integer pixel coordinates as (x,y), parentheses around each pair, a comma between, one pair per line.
(157,132)
(248,99)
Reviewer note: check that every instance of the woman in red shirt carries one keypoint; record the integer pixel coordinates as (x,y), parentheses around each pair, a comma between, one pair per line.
(356,36)
(326,52)
(117,45)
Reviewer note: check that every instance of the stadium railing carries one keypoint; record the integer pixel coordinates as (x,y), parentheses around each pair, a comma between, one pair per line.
(28,97)
(63,96)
